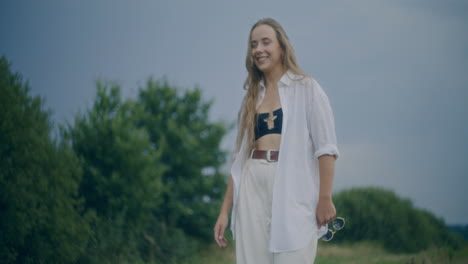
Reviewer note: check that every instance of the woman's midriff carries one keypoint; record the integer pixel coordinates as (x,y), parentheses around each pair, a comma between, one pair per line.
(271,141)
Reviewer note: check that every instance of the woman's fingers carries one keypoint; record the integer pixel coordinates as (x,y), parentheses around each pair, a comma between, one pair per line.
(325,217)
(219,234)
(321,221)
(219,237)
(216,234)
(326,212)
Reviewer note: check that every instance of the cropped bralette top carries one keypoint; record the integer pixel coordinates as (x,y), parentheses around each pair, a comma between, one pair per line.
(268,123)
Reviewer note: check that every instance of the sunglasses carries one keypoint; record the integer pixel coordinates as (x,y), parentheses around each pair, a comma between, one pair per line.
(338,224)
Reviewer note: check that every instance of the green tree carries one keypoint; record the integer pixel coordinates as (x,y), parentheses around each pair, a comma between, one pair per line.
(41,216)
(179,126)
(121,174)
(151,171)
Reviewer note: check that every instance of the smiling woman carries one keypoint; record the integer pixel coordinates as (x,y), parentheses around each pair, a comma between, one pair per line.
(281,178)
(265,50)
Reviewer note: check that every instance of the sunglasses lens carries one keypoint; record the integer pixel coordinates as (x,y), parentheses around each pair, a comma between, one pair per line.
(338,223)
(328,236)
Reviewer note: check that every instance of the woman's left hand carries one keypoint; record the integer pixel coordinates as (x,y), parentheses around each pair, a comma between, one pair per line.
(326,211)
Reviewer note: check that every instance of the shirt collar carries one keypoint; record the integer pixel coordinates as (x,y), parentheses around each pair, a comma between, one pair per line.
(285,79)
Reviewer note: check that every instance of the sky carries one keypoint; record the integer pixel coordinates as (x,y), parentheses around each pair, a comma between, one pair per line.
(395,72)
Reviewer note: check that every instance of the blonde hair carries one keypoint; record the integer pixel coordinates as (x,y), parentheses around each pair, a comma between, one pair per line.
(246,115)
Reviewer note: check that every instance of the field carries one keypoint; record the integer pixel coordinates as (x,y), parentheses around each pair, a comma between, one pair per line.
(358,253)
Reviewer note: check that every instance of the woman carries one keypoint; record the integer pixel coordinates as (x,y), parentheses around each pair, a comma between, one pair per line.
(282,175)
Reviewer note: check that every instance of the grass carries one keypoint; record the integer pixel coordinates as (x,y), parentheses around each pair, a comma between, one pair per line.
(358,253)
(367,252)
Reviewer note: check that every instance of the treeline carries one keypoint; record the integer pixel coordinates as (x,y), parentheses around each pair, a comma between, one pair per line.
(460,229)
(381,216)
(129,181)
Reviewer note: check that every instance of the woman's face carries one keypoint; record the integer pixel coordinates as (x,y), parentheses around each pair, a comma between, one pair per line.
(265,49)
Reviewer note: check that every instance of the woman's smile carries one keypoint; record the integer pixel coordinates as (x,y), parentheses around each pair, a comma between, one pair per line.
(262,59)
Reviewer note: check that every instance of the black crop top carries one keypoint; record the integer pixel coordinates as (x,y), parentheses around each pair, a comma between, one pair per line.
(263,126)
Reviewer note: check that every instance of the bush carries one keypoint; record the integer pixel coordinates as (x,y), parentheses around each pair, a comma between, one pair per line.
(380,215)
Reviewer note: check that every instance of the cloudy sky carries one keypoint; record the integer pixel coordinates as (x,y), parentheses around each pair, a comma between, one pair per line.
(395,71)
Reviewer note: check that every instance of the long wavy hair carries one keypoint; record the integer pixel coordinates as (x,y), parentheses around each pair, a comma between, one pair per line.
(246,115)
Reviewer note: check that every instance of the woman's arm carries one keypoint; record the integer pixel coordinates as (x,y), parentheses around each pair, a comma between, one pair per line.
(321,125)
(326,209)
(223,217)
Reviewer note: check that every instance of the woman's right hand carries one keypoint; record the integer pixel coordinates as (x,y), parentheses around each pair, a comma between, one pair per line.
(219,229)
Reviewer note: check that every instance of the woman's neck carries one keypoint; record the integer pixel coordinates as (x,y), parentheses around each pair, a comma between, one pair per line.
(273,77)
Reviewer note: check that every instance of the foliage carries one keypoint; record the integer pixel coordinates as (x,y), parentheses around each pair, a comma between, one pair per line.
(460,229)
(145,165)
(178,126)
(375,214)
(41,215)
(121,173)
(129,181)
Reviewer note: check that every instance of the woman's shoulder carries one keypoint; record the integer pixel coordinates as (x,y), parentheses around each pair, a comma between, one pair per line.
(303,80)
(308,86)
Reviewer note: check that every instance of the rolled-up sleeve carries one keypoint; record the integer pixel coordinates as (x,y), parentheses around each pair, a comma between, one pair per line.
(321,122)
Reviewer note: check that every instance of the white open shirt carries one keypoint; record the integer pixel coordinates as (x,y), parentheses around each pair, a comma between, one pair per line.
(308,131)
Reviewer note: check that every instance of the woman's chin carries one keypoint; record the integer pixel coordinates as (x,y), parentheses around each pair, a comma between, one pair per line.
(263,68)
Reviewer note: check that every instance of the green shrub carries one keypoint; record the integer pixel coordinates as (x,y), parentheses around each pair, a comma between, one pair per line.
(380,215)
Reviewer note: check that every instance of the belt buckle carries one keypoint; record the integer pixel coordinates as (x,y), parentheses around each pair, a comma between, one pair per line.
(268,156)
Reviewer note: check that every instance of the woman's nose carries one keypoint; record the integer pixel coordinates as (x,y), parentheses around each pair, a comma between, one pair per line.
(258,49)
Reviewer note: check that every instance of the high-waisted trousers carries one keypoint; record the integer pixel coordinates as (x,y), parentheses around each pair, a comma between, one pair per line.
(253,219)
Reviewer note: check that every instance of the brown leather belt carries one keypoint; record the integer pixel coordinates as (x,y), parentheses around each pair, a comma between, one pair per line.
(268,155)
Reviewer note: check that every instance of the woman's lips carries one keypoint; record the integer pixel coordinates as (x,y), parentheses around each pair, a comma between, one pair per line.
(261,59)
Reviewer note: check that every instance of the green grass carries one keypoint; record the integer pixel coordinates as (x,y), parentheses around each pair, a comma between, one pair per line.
(358,253)
(368,252)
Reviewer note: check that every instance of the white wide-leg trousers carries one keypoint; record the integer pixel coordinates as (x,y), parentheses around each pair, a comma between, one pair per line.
(253,219)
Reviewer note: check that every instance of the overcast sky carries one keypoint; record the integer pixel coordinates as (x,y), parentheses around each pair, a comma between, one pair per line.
(395,71)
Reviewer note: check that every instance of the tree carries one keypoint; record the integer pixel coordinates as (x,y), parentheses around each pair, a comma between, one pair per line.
(151,171)
(179,126)
(41,215)
(121,173)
